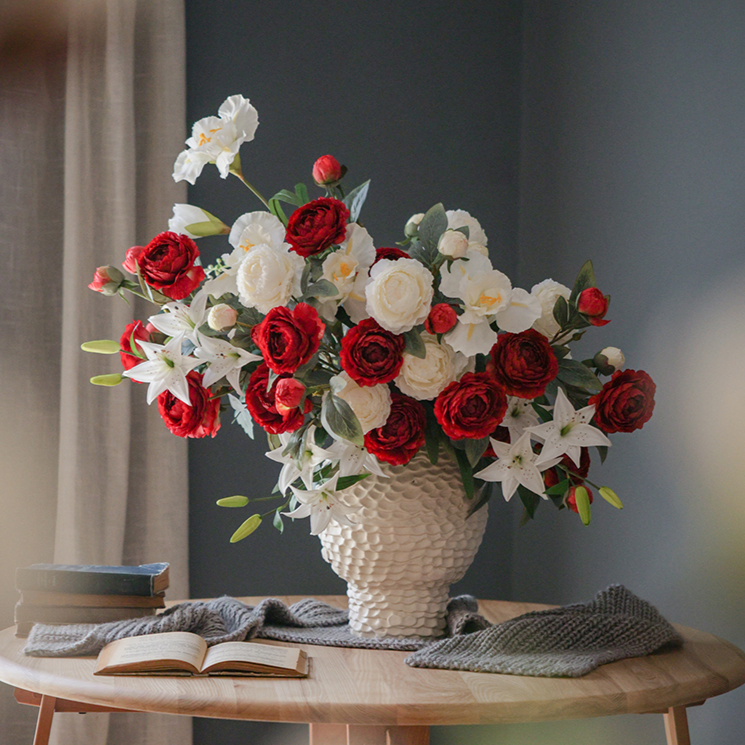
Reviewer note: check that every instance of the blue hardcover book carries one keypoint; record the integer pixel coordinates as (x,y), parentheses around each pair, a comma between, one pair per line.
(145,579)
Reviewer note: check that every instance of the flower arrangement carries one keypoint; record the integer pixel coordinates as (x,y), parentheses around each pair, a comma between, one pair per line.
(349,356)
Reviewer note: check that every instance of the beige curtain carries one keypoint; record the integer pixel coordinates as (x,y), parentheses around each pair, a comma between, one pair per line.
(92,108)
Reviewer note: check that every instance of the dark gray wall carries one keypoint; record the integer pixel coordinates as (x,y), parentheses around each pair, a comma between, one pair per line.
(423,98)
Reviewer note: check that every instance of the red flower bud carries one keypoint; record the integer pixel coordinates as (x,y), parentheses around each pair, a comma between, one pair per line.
(107,280)
(288,394)
(441,319)
(593,304)
(327,171)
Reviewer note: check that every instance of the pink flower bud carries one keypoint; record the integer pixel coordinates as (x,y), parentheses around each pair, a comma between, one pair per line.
(441,319)
(107,280)
(327,171)
(593,304)
(288,394)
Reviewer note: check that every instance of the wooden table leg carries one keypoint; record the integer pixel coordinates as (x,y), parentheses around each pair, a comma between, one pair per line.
(676,726)
(362,734)
(44,722)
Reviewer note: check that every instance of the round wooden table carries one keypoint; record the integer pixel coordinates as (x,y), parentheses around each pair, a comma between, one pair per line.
(369,697)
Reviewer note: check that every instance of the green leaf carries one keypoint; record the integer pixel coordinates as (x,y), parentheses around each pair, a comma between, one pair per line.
(611,497)
(247,527)
(558,490)
(101,346)
(301,190)
(241,415)
(277,521)
(482,497)
(466,473)
(107,380)
(288,197)
(561,311)
(582,499)
(544,414)
(355,199)
(276,209)
(576,374)
(560,351)
(337,417)
(475,449)
(236,501)
(529,499)
(585,279)
(314,378)
(345,482)
(433,225)
(321,288)
(463,229)
(432,437)
(603,451)
(413,344)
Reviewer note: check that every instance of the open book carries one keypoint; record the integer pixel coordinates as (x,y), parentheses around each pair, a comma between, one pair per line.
(184,653)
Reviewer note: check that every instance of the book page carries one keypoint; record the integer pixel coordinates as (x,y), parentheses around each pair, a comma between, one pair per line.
(173,645)
(266,655)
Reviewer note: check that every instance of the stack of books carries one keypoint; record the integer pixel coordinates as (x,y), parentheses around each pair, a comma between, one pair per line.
(63,593)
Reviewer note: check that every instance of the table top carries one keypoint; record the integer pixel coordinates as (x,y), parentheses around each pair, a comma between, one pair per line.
(360,686)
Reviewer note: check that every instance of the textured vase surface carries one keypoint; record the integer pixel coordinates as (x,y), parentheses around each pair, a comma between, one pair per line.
(412,540)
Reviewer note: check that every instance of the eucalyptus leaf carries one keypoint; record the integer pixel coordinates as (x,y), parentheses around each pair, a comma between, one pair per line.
(235,501)
(277,521)
(561,311)
(241,415)
(355,199)
(433,225)
(585,279)
(101,346)
(475,449)
(529,499)
(338,418)
(578,375)
(247,527)
(414,344)
(314,378)
(321,288)
(463,229)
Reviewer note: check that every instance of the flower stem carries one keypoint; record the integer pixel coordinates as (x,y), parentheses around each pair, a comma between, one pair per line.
(240,175)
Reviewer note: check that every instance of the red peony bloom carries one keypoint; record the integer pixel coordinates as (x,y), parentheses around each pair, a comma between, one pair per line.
(399,439)
(140,333)
(200,419)
(370,354)
(593,304)
(327,171)
(262,404)
(167,264)
(394,254)
(441,319)
(572,499)
(471,407)
(288,338)
(626,402)
(523,363)
(317,225)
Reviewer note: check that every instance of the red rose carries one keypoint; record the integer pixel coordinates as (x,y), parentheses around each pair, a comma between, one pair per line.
(370,354)
(200,419)
(106,280)
(327,171)
(626,402)
(140,333)
(471,407)
(167,264)
(399,439)
(572,499)
(394,254)
(593,304)
(288,338)
(523,363)
(441,319)
(262,404)
(288,394)
(317,225)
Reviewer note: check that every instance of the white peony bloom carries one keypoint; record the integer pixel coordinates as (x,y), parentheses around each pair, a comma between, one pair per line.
(547,293)
(521,313)
(268,277)
(253,228)
(483,290)
(424,379)
(371,404)
(453,243)
(221,317)
(461,219)
(614,356)
(399,294)
(412,224)
(217,139)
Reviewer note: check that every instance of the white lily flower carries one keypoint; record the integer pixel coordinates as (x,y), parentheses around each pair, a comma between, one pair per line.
(166,370)
(516,465)
(519,417)
(322,505)
(225,361)
(353,460)
(187,214)
(311,456)
(181,319)
(568,433)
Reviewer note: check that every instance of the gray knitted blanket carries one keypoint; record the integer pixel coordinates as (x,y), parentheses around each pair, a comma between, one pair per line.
(567,641)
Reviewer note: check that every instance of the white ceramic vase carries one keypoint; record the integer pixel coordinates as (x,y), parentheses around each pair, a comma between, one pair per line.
(412,540)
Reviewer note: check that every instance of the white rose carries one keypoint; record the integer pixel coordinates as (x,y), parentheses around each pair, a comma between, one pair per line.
(399,294)
(461,219)
(426,378)
(412,224)
(221,317)
(268,277)
(453,243)
(614,356)
(371,404)
(547,293)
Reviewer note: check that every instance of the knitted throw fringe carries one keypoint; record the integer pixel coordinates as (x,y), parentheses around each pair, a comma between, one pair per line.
(567,641)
